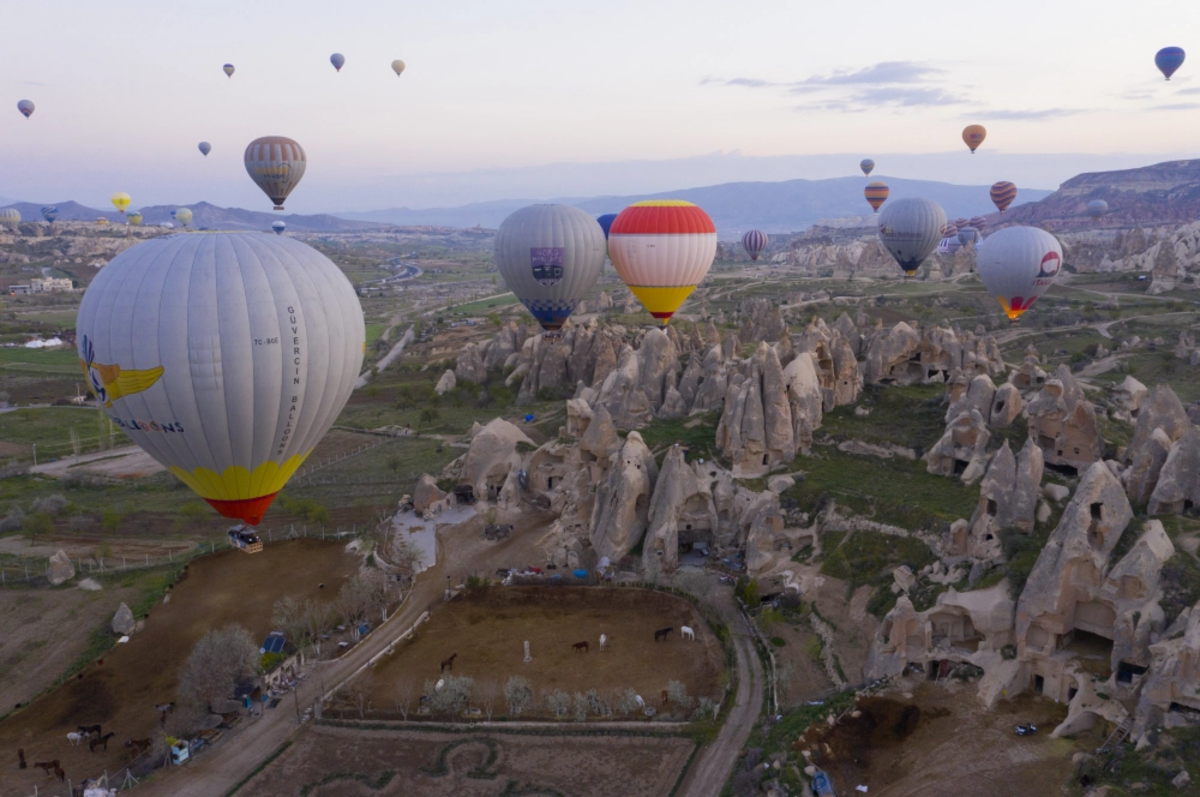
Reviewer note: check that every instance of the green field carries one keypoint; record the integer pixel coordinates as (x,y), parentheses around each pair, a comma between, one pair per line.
(50,426)
(483,305)
(16,361)
(375,332)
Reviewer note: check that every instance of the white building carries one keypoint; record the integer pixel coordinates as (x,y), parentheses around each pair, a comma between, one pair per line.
(50,285)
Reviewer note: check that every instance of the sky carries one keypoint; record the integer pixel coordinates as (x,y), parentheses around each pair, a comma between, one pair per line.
(551,98)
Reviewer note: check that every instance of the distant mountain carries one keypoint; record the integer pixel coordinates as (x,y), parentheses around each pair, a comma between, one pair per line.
(787,206)
(204,215)
(1165,193)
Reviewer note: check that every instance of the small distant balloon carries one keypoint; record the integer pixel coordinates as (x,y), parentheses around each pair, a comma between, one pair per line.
(754,241)
(135,218)
(978,222)
(228,69)
(1003,193)
(867,166)
(605,222)
(876,194)
(398,67)
(205,148)
(50,213)
(338,60)
(25,107)
(1097,208)
(949,230)
(183,216)
(279,227)
(1168,59)
(120,201)
(973,136)
(10,218)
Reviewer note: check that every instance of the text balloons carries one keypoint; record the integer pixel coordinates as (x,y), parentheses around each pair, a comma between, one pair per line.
(1003,193)
(662,249)
(205,148)
(867,165)
(226,356)
(228,70)
(398,67)
(26,108)
(338,60)
(550,257)
(1018,264)
(754,241)
(910,230)
(275,164)
(973,136)
(1169,59)
(876,194)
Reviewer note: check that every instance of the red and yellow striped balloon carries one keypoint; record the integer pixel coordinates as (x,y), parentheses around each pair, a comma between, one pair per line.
(876,194)
(1003,193)
(662,249)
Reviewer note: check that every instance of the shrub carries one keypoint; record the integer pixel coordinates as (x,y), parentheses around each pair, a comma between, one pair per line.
(51,505)
(704,710)
(454,696)
(581,707)
(518,694)
(677,694)
(13,521)
(557,702)
(628,703)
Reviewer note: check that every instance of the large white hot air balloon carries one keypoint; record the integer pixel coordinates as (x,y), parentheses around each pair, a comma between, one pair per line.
(910,229)
(226,356)
(550,257)
(1018,264)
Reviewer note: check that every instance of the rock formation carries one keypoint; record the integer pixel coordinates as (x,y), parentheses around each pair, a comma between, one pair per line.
(962,450)
(445,384)
(123,621)
(756,430)
(428,496)
(1177,488)
(1063,423)
(761,321)
(681,510)
(60,570)
(492,461)
(1008,498)
(905,356)
(623,500)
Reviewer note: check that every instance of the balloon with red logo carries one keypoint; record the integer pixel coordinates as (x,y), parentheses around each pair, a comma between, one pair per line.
(1019,264)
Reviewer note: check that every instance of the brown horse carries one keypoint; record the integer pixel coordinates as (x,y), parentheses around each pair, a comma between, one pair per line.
(580,646)
(47,766)
(61,774)
(449,662)
(137,746)
(662,633)
(665,696)
(102,741)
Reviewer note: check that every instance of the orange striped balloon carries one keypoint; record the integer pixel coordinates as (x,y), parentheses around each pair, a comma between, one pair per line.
(876,194)
(1003,193)
(973,136)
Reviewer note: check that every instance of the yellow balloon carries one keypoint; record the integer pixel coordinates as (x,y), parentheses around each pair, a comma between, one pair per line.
(121,201)
(973,136)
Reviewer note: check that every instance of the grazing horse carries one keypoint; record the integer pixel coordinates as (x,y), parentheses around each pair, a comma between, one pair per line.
(61,774)
(74,738)
(449,662)
(88,730)
(603,641)
(662,633)
(21,758)
(102,741)
(580,646)
(47,766)
(687,633)
(137,746)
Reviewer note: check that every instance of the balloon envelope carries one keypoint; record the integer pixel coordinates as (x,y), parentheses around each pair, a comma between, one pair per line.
(973,136)
(550,257)
(1168,59)
(183,216)
(275,164)
(1097,208)
(910,229)
(225,356)
(1003,193)
(228,70)
(205,148)
(867,165)
(10,218)
(968,237)
(120,201)
(662,249)
(605,222)
(949,229)
(279,227)
(876,194)
(338,60)
(978,222)
(25,107)
(754,241)
(1018,264)
(50,213)
(135,218)
(398,67)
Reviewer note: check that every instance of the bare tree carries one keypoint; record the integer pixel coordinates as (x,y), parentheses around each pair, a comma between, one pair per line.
(359,698)
(453,698)
(218,661)
(407,557)
(317,617)
(287,615)
(360,597)
(518,694)
(489,692)
(406,690)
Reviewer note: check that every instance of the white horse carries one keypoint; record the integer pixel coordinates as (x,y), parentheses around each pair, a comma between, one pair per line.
(603,641)
(641,703)
(74,738)
(438,686)
(687,633)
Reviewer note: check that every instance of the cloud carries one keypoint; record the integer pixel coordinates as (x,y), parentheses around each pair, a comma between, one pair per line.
(1176,106)
(1036,116)
(883,73)
(1193,90)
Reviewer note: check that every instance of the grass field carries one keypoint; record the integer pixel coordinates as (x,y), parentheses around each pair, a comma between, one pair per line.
(483,305)
(51,427)
(39,362)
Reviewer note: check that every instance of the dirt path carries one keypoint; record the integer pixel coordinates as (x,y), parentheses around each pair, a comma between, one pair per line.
(715,762)
(388,358)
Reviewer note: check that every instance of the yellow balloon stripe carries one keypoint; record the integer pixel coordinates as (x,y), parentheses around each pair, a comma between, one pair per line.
(1012,314)
(663,203)
(662,301)
(236,483)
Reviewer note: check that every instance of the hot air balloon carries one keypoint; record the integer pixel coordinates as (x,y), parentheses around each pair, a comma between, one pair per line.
(876,194)
(183,216)
(278,227)
(968,237)
(754,241)
(1003,193)
(1018,264)
(1097,208)
(910,229)
(397,67)
(135,218)
(605,222)
(120,201)
(225,356)
(949,229)
(276,164)
(948,246)
(25,107)
(550,257)
(867,166)
(228,69)
(10,218)
(979,222)
(50,213)
(338,60)
(662,249)
(1168,59)
(205,148)
(973,136)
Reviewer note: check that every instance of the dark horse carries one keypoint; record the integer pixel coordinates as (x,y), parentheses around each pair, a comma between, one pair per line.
(662,633)
(578,646)
(449,662)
